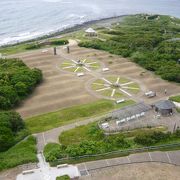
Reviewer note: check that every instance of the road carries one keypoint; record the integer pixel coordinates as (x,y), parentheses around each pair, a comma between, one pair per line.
(169,157)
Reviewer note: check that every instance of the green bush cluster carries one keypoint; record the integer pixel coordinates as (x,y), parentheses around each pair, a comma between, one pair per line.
(99,143)
(65,177)
(22,153)
(148,139)
(55,42)
(58,42)
(16,82)
(12,129)
(147,42)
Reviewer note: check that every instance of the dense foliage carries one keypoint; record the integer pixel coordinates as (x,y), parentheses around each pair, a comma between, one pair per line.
(148,139)
(90,140)
(22,153)
(16,82)
(150,42)
(12,129)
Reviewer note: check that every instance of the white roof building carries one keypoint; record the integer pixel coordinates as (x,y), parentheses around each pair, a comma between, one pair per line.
(91,32)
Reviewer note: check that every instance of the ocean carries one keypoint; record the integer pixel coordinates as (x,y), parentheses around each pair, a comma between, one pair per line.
(22,20)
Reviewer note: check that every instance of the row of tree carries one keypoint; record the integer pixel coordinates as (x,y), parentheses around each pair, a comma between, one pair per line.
(16,82)
(12,129)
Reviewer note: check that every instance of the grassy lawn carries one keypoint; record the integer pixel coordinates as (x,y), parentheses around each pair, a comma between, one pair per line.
(99,84)
(22,153)
(175,98)
(135,86)
(67,64)
(72,114)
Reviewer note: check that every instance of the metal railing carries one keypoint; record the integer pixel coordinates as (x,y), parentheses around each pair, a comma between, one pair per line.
(120,152)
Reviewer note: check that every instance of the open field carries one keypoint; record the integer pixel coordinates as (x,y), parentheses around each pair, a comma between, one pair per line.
(64,89)
(72,114)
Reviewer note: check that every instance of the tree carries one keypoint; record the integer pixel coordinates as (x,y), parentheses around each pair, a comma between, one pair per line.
(10,125)
(6,138)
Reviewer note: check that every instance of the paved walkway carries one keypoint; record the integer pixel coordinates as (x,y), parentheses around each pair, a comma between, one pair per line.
(45,172)
(170,157)
(53,135)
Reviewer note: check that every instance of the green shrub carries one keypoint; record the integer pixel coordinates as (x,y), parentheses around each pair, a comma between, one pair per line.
(53,151)
(33,46)
(58,42)
(149,139)
(65,177)
(144,139)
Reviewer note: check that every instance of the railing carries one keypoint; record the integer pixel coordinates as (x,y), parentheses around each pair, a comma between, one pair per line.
(120,152)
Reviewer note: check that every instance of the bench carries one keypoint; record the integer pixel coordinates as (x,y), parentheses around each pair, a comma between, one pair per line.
(120,101)
(62,166)
(80,74)
(44,51)
(28,172)
(105,69)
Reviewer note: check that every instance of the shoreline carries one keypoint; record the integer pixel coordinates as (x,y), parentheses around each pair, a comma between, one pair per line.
(74,28)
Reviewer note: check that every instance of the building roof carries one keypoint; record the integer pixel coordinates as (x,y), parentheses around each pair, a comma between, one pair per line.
(90,30)
(131,110)
(164,104)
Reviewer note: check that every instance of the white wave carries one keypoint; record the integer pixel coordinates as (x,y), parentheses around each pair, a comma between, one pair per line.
(76,16)
(25,36)
(20,38)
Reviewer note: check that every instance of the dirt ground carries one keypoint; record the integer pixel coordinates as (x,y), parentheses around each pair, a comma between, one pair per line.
(142,171)
(64,89)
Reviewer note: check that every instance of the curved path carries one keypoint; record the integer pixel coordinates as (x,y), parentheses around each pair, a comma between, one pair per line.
(169,157)
(53,135)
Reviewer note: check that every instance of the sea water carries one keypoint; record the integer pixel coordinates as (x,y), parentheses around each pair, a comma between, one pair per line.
(22,20)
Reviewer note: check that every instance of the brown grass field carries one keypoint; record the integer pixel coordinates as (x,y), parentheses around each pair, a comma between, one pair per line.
(61,89)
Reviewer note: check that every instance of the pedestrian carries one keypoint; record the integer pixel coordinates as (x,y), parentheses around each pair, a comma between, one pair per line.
(55,53)
(68,49)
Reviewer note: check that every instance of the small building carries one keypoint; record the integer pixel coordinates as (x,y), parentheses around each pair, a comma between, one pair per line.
(164,107)
(90,32)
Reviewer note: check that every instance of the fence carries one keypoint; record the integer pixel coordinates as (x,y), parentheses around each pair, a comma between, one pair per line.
(115,153)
